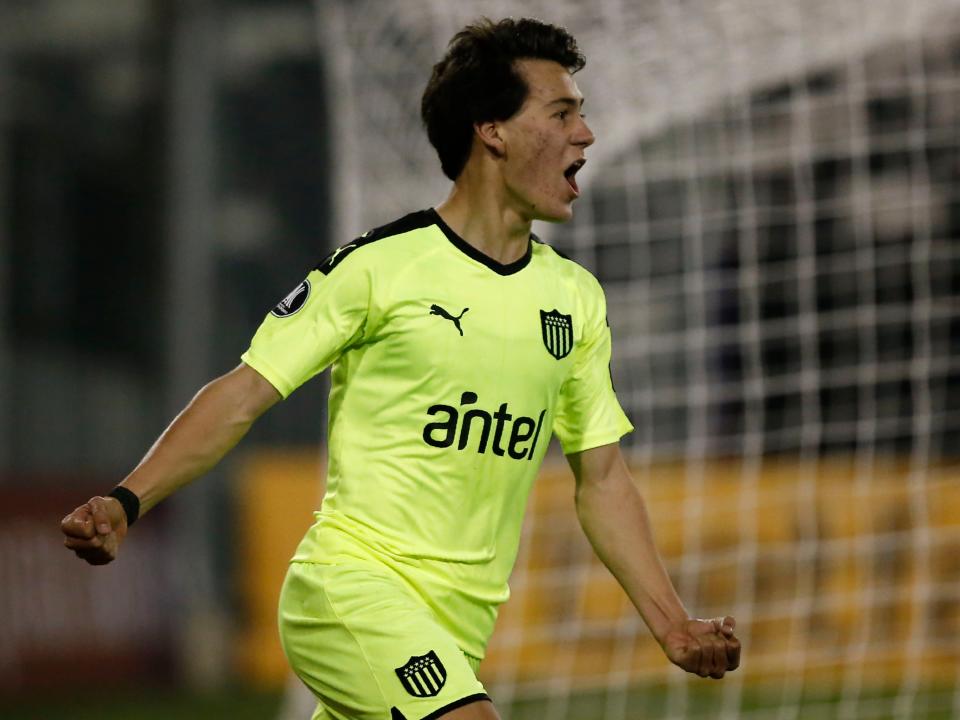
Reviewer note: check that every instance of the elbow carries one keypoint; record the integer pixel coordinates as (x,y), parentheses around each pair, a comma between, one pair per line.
(252,395)
(238,399)
(590,493)
(247,411)
(610,490)
(602,476)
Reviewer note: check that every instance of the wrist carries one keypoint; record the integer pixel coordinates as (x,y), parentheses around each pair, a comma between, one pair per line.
(668,625)
(128,501)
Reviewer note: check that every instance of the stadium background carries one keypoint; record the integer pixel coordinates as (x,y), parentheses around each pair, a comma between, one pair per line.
(771,205)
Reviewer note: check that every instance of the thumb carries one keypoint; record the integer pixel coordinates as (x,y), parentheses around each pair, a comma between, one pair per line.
(724,626)
(106,517)
(78,523)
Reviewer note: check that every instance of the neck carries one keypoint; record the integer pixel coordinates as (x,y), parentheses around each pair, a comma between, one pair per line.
(478,212)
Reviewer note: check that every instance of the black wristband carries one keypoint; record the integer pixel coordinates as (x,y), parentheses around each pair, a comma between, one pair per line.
(130,502)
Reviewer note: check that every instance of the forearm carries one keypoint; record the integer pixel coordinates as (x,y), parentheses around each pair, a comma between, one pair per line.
(614,517)
(200,436)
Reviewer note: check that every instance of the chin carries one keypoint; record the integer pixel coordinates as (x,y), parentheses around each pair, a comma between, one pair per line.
(557,215)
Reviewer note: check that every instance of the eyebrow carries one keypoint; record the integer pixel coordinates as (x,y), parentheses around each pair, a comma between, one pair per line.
(568,101)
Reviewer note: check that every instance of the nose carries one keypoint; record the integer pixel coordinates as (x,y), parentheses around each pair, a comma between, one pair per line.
(584,136)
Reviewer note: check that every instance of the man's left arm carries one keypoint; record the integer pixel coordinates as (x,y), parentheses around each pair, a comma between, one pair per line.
(613,515)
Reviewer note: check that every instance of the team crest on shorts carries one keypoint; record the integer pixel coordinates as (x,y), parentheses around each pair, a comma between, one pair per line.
(557,333)
(292,302)
(423,675)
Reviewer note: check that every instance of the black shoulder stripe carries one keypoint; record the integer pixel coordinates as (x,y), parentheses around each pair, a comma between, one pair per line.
(334,258)
(554,248)
(407,223)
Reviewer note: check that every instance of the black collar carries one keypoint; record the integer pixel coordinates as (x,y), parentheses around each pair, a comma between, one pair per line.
(469,250)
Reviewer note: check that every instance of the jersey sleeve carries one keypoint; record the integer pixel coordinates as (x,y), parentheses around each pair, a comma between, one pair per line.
(321,318)
(588,413)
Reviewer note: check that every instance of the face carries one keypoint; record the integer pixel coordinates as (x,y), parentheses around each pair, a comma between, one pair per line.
(544,143)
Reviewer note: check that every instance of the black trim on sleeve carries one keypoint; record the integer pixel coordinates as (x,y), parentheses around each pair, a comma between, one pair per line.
(468,249)
(455,704)
(413,221)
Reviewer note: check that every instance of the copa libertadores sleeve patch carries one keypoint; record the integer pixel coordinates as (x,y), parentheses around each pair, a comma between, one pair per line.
(292,302)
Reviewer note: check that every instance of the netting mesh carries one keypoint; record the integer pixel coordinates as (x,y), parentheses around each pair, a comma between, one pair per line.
(772,208)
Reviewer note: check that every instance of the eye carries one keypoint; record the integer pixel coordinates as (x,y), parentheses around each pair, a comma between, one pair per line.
(562,114)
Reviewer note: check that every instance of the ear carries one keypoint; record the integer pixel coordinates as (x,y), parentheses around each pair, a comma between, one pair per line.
(490,135)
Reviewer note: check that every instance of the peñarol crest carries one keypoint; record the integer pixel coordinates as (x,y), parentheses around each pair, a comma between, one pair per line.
(423,675)
(557,333)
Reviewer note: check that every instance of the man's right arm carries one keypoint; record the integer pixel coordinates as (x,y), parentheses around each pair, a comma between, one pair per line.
(197,439)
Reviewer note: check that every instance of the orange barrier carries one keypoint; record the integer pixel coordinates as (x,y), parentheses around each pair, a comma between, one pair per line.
(277,494)
(825,572)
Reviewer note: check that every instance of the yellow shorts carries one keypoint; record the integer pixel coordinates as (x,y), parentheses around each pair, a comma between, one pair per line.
(368,648)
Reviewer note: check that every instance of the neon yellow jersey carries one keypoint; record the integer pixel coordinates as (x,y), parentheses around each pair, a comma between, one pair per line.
(450,373)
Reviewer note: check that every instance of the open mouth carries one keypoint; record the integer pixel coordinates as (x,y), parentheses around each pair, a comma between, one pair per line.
(571,172)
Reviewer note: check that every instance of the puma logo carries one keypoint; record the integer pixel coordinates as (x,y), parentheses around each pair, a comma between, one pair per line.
(437,310)
(336,253)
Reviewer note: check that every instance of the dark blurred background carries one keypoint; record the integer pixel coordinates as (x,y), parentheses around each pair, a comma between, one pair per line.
(163,183)
(142,211)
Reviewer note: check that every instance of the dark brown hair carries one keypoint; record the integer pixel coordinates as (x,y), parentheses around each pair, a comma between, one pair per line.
(477,80)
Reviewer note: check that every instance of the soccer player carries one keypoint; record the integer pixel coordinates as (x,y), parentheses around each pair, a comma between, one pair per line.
(459,344)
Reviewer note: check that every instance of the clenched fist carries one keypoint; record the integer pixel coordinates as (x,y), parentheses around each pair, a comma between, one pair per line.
(707,648)
(95,530)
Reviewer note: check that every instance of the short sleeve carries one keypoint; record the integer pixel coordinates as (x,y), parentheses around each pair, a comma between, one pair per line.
(322,317)
(588,413)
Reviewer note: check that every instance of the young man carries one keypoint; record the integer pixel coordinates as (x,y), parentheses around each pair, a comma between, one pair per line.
(459,344)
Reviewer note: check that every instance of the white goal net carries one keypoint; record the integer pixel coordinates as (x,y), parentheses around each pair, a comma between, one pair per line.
(772,206)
